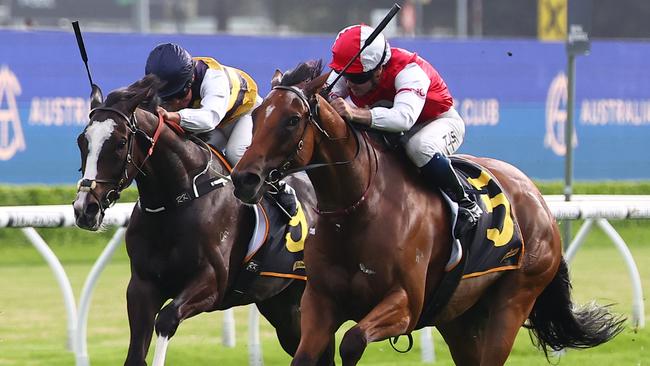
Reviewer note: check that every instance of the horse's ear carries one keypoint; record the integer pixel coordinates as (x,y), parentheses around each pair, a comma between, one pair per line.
(315,85)
(146,93)
(277,77)
(96,97)
(151,83)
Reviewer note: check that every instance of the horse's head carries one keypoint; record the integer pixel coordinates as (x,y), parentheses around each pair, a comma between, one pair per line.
(284,133)
(109,156)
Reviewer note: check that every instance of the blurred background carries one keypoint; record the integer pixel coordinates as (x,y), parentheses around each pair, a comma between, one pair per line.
(505,62)
(430,18)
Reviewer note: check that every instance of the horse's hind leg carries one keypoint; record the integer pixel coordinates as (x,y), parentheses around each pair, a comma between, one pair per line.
(143,301)
(462,336)
(485,334)
(283,312)
(508,310)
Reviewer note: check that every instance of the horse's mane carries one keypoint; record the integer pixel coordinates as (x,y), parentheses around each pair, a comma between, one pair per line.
(304,72)
(146,88)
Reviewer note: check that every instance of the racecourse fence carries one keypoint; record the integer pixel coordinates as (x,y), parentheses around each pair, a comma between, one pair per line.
(595,210)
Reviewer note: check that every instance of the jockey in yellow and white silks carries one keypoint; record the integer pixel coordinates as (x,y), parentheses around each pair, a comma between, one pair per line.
(200,95)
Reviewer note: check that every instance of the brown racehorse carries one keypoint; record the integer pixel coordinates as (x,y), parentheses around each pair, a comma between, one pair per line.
(188,251)
(383,237)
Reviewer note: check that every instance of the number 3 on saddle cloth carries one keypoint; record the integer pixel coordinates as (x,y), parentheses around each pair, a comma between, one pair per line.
(276,247)
(495,244)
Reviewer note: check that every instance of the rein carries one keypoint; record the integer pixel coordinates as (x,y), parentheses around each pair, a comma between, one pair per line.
(312,109)
(371,178)
(89,185)
(198,189)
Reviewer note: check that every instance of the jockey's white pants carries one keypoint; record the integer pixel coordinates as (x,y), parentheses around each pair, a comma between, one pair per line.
(239,135)
(443,135)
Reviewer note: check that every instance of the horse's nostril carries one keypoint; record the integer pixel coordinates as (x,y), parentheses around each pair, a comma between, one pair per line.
(246,180)
(92,209)
(250,179)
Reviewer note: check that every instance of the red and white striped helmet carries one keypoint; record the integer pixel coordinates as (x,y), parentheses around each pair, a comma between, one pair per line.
(349,41)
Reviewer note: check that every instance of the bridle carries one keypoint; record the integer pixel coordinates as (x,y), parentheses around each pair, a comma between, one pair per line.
(312,114)
(312,117)
(111,196)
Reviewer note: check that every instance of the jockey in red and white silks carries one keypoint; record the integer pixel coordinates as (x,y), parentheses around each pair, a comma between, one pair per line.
(394,90)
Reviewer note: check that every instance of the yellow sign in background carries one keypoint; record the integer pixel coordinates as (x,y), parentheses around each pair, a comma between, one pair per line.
(551,20)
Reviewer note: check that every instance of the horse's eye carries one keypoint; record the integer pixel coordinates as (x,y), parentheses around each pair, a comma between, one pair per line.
(121,143)
(293,121)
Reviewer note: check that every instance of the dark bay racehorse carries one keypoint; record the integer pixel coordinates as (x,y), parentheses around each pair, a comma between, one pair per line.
(382,240)
(188,251)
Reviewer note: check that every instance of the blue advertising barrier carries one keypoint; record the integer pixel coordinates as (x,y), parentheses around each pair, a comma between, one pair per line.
(512,94)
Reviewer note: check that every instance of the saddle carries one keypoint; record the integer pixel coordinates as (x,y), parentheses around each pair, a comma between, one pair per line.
(276,247)
(496,244)
(215,138)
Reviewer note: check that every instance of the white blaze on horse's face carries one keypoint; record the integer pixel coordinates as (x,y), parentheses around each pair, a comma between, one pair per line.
(96,135)
(268,111)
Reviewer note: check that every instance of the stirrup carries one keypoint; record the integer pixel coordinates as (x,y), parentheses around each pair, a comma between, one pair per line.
(455,257)
(471,209)
(466,221)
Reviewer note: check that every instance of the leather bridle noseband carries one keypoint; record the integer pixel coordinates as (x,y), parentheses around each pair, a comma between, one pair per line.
(312,117)
(111,196)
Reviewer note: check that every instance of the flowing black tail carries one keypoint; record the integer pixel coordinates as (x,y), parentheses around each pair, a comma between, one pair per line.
(556,324)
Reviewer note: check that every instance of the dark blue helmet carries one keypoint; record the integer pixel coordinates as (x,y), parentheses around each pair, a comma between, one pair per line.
(172,64)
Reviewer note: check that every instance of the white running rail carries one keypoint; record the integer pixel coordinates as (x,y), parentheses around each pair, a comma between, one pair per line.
(593,209)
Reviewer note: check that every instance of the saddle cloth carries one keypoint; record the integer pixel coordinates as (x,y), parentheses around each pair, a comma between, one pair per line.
(496,244)
(277,243)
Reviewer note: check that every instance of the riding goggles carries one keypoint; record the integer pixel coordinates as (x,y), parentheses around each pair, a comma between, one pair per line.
(182,93)
(359,78)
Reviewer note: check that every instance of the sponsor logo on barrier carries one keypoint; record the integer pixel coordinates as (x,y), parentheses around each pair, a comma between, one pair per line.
(12,139)
(59,111)
(479,112)
(36,220)
(556,116)
(622,112)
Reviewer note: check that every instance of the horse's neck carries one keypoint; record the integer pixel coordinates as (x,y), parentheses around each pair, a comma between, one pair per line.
(341,186)
(171,167)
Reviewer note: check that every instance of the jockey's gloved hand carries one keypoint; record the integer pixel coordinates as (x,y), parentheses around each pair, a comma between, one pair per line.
(173,117)
(284,195)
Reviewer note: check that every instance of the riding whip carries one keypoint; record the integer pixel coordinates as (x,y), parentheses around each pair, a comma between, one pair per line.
(95,90)
(368,41)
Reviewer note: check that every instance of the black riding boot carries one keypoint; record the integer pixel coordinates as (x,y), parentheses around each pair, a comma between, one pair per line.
(440,172)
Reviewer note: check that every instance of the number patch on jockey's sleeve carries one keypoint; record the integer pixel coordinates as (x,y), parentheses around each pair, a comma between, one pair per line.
(297,231)
(503,236)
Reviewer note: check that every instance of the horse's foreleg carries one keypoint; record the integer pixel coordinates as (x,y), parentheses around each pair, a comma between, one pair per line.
(283,312)
(318,323)
(143,301)
(391,317)
(199,295)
